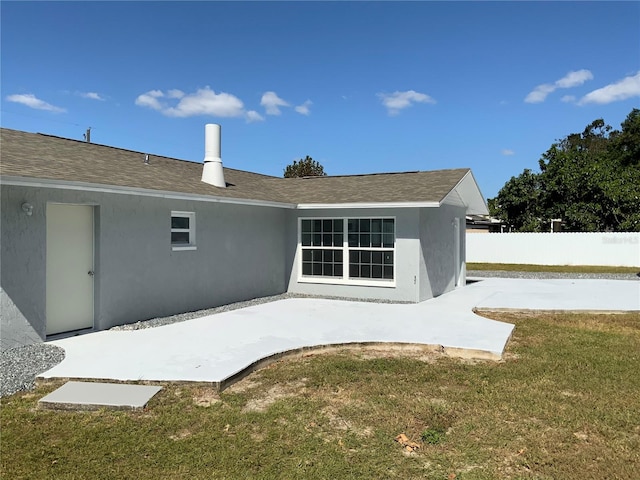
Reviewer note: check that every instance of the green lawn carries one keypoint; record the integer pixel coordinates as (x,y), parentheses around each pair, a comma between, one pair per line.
(513,267)
(564,404)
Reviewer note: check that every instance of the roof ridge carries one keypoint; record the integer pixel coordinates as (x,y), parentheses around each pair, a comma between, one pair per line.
(408,172)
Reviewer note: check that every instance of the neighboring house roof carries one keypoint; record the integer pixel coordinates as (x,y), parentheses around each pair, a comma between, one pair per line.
(30,158)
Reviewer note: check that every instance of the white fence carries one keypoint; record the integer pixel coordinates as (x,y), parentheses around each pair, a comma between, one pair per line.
(611,249)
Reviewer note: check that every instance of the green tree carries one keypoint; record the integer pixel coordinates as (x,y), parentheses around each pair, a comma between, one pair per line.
(589,180)
(570,179)
(626,144)
(621,181)
(306,167)
(518,203)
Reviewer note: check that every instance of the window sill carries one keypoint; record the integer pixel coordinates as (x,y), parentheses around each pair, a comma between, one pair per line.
(186,247)
(348,283)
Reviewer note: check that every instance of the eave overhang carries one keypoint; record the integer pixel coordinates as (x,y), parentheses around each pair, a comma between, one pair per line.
(145,192)
(467,194)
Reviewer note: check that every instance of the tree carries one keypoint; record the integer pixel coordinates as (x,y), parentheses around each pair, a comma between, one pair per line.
(306,167)
(570,179)
(589,180)
(518,203)
(621,184)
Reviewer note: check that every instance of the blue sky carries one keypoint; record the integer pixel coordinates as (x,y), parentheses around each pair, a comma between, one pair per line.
(361,87)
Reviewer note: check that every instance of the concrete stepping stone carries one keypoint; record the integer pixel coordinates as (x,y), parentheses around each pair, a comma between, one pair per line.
(95,396)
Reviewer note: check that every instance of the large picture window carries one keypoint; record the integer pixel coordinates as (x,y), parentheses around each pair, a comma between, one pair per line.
(366,253)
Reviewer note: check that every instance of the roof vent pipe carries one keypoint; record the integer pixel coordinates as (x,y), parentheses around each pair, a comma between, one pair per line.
(212,171)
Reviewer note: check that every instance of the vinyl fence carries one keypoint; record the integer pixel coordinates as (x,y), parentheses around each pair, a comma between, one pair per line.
(610,249)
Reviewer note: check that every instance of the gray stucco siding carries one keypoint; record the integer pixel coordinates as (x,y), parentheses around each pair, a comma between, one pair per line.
(437,255)
(240,255)
(22,267)
(407,254)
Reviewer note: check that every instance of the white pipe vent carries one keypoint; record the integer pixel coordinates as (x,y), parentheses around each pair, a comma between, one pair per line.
(212,172)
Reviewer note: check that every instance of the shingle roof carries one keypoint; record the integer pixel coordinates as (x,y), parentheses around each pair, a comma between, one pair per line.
(431,186)
(38,156)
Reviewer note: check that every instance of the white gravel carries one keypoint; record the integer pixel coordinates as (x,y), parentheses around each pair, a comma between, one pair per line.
(158,322)
(20,366)
(541,275)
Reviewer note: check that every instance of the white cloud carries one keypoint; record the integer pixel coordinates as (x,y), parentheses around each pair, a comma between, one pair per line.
(272,103)
(253,116)
(396,101)
(626,88)
(150,100)
(571,79)
(304,108)
(91,96)
(175,93)
(207,102)
(539,94)
(574,79)
(508,152)
(203,102)
(32,101)
(568,99)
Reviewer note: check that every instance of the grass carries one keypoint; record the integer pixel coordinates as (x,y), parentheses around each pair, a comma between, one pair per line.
(564,404)
(514,267)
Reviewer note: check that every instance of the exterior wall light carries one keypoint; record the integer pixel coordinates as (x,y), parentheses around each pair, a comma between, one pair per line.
(27,208)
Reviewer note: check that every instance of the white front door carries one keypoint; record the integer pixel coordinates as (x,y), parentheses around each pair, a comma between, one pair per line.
(69,268)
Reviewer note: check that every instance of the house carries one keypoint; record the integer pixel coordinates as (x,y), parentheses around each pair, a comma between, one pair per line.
(484,224)
(94,236)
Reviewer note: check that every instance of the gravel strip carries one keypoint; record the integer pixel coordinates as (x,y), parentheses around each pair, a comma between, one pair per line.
(183,317)
(545,275)
(158,322)
(20,366)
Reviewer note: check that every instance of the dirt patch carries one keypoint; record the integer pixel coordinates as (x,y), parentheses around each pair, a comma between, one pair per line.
(423,353)
(244,385)
(181,435)
(336,422)
(205,397)
(275,393)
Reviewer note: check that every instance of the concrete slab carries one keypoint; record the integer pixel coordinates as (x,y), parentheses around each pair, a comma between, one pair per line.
(94,396)
(585,295)
(220,348)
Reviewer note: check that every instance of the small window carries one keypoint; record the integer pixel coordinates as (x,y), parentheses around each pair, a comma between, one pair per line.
(183,230)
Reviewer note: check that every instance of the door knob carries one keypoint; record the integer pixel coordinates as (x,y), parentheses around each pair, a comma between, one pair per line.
(90,272)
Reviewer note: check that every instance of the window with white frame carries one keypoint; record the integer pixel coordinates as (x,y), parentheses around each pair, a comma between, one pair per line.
(183,230)
(348,250)
(322,247)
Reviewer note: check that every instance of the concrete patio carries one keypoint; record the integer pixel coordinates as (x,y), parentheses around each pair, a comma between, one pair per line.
(220,348)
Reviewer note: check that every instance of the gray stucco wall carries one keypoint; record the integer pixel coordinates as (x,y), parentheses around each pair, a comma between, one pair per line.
(437,256)
(240,255)
(407,256)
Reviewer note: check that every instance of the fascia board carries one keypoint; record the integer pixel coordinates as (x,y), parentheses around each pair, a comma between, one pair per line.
(335,206)
(468,193)
(92,187)
(83,186)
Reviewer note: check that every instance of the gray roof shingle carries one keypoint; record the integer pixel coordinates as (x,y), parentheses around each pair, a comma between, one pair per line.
(40,156)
